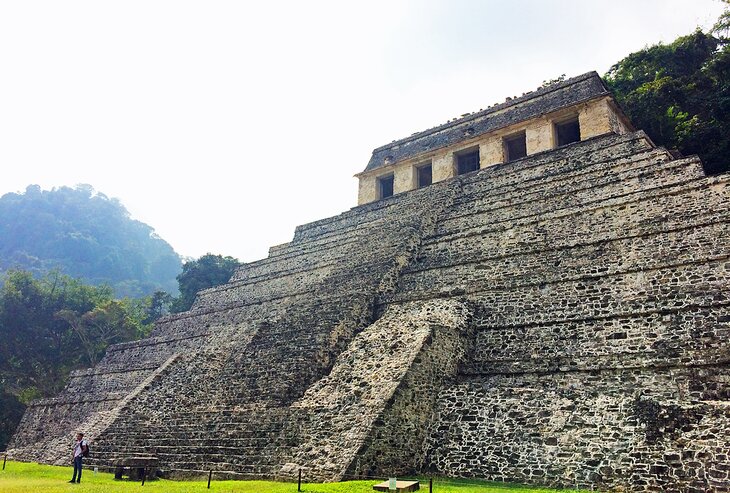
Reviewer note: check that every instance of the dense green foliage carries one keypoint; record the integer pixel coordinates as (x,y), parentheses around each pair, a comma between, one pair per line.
(207,271)
(680,94)
(52,325)
(87,235)
(22,477)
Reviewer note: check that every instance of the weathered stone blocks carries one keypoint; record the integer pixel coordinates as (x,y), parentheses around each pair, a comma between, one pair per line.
(560,320)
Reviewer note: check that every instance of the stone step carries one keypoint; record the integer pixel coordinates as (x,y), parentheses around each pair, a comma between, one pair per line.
(682,286)
(253,430)
(546,198)
(578,161)
(539,169)
(542,165)
(612,149)
(650,166)
(544,191)
(631,145)
(263,308)
(573,222)
(365,216)
(563,263)
(545,209)
(335,257)
(361,279)
(223,470)
(407,214)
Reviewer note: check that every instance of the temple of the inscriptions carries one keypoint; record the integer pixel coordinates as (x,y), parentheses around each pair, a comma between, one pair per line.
(533,293)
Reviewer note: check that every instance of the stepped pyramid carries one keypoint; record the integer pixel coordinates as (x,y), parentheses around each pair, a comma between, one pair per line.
(511,300)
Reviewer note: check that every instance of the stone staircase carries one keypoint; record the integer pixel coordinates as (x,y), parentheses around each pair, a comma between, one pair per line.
(261,340)
(389,367)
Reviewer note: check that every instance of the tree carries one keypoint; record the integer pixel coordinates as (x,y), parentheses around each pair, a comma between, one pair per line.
(110,322)
(50,326)
(11,410)
(39,349)
(157,305)
(206,272)
(680,94)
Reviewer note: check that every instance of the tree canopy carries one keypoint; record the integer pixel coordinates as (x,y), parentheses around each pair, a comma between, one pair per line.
(52,325)
(84,234)
(679,94)
(206,272)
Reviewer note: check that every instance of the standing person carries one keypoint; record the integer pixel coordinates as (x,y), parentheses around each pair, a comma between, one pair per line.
(80,447)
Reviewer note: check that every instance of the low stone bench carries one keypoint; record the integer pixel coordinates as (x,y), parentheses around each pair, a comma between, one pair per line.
(136,467)
(400,486)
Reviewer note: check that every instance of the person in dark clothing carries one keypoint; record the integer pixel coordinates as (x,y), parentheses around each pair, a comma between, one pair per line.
(80,446)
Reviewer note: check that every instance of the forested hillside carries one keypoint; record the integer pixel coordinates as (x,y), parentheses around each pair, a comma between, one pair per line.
(76,275)
(679,93)
(84,234)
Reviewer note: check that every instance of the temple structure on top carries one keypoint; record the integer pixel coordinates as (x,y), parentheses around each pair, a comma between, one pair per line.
(559,114)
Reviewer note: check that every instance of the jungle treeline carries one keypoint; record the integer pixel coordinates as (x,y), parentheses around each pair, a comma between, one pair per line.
(679,93)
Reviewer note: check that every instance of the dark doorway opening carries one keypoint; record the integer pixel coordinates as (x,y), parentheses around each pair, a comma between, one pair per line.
(424,175)
(385,186)
(515,146)
(467,162)
(567,132)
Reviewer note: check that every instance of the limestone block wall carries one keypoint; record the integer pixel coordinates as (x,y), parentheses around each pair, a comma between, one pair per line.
(396,440)
(491,152)
(630,430)
(597,119)
(598,278)
(539,136)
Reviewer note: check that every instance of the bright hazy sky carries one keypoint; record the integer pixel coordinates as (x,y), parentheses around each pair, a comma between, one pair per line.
(224,124)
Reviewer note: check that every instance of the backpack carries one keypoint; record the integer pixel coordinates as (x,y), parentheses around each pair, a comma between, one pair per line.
(85,449)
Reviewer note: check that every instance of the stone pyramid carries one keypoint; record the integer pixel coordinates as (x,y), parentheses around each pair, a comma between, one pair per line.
(560,319)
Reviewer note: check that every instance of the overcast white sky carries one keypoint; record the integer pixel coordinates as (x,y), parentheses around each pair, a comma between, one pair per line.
(224,124)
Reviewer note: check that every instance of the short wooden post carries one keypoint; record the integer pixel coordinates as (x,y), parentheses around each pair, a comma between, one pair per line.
(210,476)
(430,485)
(299,483)
(144,475)
(5,458)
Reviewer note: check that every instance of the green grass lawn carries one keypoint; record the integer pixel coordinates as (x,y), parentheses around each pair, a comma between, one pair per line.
(22,477)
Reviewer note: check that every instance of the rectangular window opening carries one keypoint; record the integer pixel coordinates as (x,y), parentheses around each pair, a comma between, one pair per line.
(424,175)
(385,186)
(467,162)
(567,132)
(515,146)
